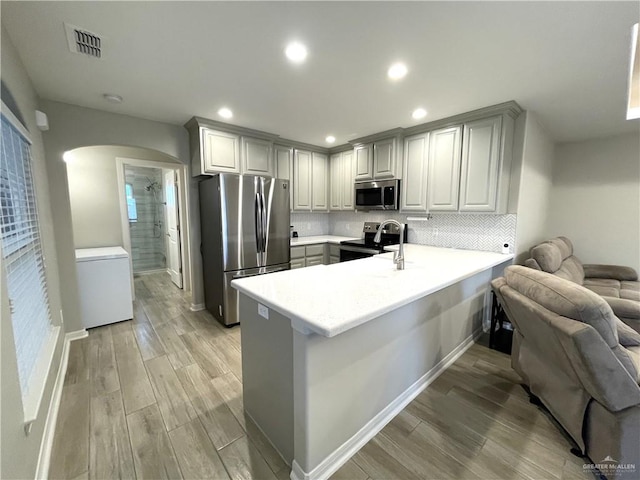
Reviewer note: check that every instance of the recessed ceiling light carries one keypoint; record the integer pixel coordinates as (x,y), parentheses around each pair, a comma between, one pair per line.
(112,98)
(224,112)
(296,52)
(330,139)
(397,71)
(419,113)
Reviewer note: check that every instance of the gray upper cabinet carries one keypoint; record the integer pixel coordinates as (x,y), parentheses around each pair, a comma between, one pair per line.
(220,151)
(218,147)
(414,173)
(377,160)
(335,197)
(443,178)
(320,181)
(256,157)
(347,180)
(302,174)
(341,188)
(384,159)
(481,165)
(363,158)
(283,157)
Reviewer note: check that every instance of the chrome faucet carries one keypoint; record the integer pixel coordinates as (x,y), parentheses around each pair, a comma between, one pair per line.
(398,257)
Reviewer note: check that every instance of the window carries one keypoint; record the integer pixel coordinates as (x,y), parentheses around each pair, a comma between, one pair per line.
(22,252)
(132,210)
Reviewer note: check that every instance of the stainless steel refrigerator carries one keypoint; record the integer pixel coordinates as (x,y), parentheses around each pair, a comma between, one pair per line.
(245,231)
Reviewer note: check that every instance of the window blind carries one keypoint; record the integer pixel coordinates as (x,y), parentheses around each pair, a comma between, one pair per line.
(22,252)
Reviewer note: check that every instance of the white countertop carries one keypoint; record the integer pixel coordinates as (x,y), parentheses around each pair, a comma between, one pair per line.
(331,299)
(295,242)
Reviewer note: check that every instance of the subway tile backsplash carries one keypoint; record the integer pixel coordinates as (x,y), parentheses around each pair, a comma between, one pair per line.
(486,232)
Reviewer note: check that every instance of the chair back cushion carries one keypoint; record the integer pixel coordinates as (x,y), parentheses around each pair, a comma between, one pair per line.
(566,299)
(556,256)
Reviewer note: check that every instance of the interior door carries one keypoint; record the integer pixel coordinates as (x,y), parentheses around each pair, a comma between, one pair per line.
(174,258)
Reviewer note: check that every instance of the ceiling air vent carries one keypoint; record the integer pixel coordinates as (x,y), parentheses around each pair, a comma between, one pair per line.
(81,40)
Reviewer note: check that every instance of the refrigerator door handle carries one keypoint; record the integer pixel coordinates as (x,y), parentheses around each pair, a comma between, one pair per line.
(264,228)
(258,225)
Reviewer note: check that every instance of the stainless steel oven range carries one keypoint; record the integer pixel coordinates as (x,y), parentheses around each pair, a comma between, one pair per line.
(366,247)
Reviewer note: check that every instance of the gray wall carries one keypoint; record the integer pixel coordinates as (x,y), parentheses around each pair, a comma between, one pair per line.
(19,456)
(534,190)
(595,199)
(72,127)
(93,192)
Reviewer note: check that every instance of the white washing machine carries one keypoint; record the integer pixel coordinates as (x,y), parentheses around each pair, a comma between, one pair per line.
(104,284)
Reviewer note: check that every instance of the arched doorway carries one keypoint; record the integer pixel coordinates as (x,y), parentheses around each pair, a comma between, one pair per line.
(135,198)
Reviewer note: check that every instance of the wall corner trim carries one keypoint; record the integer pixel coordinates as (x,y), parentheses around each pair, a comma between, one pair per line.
(344,452)
(44,458)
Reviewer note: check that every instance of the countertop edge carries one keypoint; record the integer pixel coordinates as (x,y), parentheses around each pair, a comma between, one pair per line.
(357,321)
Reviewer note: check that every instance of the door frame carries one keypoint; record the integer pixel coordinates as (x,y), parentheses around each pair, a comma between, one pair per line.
(183,213)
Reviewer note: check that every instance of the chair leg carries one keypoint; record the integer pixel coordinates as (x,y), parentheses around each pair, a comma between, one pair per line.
(577,452)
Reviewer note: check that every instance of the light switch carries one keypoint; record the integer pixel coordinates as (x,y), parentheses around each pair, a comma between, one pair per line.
(263,311)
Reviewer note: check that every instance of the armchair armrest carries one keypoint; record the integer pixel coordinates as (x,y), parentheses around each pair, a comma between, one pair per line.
(600,372)
(624,308)
(617,272)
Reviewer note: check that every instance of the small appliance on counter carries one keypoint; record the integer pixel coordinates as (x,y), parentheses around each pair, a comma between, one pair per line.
(367,247)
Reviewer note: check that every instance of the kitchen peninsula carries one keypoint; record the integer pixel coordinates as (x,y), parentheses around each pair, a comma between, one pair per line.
(331,353)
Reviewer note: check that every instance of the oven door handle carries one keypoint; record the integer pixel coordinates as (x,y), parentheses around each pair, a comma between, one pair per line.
(349,248)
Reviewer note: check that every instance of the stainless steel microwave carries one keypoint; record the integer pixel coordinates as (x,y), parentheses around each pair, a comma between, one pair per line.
(378,195)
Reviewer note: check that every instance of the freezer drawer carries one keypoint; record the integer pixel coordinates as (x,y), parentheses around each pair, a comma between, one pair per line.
(104,284)
(227,314)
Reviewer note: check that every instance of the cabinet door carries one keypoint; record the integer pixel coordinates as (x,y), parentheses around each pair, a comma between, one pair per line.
(364,162)
(284,166)
(384,163)
(336,166)
(414,173)
(311,261)
(220,151)
(320,186)
(347,180)
(256,157)
(302,180)
(480,165)
(297,263)
(284,161)
(443,179)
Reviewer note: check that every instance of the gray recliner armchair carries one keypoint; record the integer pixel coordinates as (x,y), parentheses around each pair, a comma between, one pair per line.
(579,359)
(618,285)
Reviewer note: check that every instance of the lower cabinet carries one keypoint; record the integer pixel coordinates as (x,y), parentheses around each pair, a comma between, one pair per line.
(334,254)
(317,254)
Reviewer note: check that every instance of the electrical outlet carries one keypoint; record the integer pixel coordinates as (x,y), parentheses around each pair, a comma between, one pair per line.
(263,311)
(435,231)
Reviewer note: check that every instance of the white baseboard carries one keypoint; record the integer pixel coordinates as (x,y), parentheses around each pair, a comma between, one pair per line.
(44,458)
(344,452)
(197,307)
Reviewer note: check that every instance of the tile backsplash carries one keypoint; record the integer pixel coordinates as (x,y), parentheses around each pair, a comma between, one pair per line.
(308,224)
(486,232)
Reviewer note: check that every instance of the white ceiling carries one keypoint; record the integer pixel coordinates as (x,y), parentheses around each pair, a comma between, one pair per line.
(566,61)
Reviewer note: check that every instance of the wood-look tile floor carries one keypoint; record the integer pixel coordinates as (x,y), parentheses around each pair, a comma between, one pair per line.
(161,397)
